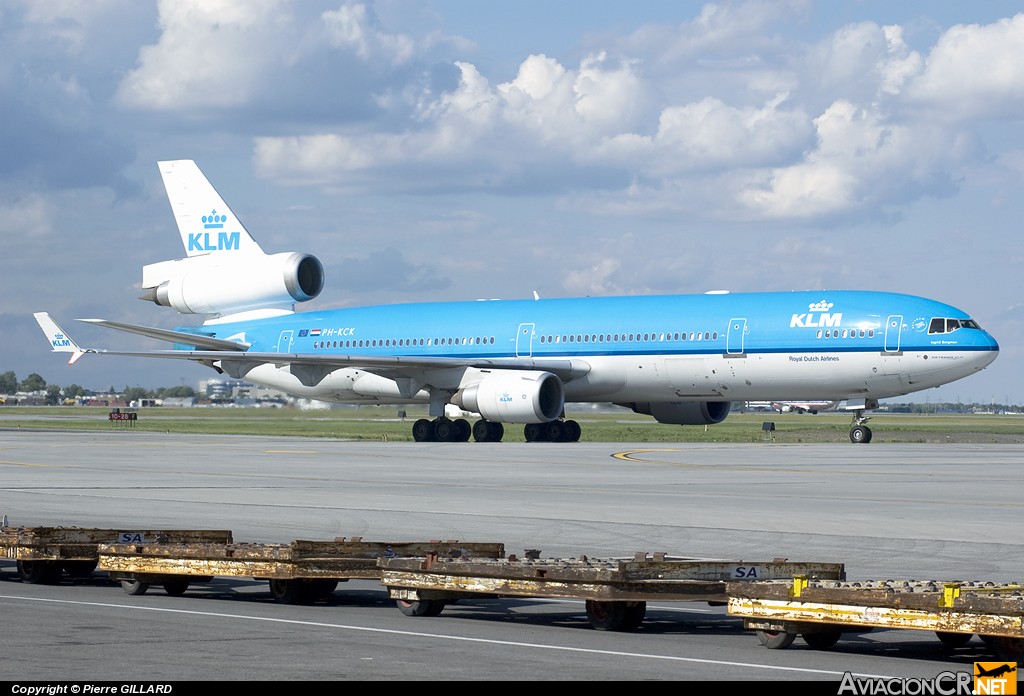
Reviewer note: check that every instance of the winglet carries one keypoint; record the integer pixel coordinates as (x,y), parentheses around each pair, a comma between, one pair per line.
(60,342)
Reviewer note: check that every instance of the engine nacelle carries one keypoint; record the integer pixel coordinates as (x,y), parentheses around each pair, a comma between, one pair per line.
(514,396)
(215,285)
(683,412)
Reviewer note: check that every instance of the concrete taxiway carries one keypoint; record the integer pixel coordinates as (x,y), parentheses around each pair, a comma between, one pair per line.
(944,512)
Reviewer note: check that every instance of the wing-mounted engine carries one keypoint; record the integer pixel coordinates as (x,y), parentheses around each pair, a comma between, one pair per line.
(221,284)
(513,396)
(683,412)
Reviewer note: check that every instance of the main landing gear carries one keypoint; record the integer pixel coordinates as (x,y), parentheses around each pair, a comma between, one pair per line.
(552,431)
(459,430)
(441,430)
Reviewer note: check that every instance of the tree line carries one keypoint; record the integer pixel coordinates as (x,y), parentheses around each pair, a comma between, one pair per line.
(55,394)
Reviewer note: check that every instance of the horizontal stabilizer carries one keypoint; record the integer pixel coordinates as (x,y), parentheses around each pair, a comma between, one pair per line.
(190,339)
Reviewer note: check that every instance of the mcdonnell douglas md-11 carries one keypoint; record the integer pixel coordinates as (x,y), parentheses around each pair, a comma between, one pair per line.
(681,359)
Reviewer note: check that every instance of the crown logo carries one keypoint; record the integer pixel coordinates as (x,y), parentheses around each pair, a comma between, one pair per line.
(822,306)
(213,221)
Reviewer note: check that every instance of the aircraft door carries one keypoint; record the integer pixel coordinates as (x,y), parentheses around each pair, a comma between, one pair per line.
(734,336)
(893,327)
(524,341)
(284,342)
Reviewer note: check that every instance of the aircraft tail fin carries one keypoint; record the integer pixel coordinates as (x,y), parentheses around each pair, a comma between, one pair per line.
(60,342)
(205,222)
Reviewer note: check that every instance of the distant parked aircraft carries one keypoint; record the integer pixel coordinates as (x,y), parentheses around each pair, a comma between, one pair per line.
(804,406)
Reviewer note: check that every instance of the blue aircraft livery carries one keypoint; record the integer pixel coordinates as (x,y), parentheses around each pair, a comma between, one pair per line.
(682,359)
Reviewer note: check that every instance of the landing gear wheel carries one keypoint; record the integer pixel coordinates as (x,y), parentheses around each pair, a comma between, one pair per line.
(776,640)
(422,430)
(422,607)
(462,430)
(823,640)
(134,587)
(488,431)
(445,430)
(572,431)
(39,572)
(176,588)
(954,640)
(615,616)
(533,432)
(860,434)
(554,431)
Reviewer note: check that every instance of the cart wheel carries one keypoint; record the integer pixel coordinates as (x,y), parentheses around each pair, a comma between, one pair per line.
(823,640)
(635,613)
(134,587)
(422,607)
(776,640)
(79,569)
(176,588)
(322,589)
(38,572)
(954,640)
(288,592)
(615,616)
(1006,648)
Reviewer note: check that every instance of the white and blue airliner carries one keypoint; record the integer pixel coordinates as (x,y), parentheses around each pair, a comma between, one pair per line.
(681,359)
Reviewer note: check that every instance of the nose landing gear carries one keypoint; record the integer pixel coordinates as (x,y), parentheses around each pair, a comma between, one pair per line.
(859,432)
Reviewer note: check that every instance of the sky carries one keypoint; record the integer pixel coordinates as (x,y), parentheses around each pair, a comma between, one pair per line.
(432,150)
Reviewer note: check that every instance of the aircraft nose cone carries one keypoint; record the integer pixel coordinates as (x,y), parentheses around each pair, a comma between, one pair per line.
(985,358)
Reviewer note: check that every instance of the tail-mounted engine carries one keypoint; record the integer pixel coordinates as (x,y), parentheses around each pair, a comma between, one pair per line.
(683,412)
(216,286)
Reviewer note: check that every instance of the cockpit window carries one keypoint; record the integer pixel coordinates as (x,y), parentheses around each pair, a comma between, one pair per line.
(941,325)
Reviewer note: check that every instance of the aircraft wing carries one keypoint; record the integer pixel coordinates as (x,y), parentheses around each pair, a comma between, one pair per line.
(389,366)
(235,360)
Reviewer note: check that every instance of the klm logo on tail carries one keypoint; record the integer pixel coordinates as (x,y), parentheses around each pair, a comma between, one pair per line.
(60,341)
(214,241)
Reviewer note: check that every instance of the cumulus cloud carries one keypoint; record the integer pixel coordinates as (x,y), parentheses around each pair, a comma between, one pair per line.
(860,159)
(224,54)
(598,279)
(752,127)
(28,217)
(210,52)
(975,70)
